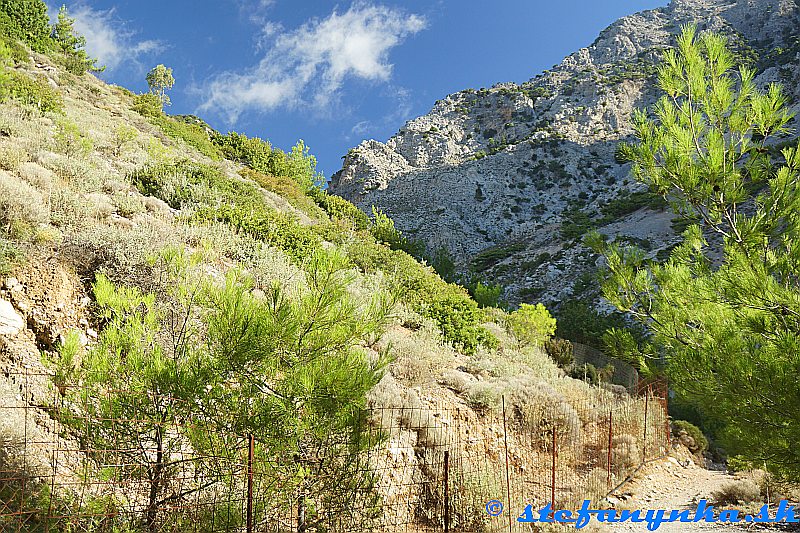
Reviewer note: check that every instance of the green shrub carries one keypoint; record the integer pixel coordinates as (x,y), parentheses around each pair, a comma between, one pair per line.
(531,325)
(340,209)
(9,256)
(184,184)
(13,50)
(586,372)
(486,295)
(286,188)
(123,134)
(384,232)
(627,204)
(580,322)
(457,318)
(148,105)
(27,21)
(70,140)
(217,197)
(560,351)
(419,287)
(192,134)
(276,228)
(259,155)
(690,436)
(31,91)
(491,256)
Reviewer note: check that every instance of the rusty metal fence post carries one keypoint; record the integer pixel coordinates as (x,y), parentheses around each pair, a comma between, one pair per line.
(644,436)
(446,491)
(610,438)
(553,470)
(250,449)
(508,476)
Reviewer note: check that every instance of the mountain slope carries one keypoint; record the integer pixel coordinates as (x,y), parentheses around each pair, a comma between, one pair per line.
(508,179)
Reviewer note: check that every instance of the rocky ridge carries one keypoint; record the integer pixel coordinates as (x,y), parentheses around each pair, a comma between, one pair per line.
(507,179)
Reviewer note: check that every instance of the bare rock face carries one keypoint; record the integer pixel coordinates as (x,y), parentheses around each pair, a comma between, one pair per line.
(10,321)
(507,179)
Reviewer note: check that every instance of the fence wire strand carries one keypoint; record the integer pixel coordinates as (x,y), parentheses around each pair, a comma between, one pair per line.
(431,467)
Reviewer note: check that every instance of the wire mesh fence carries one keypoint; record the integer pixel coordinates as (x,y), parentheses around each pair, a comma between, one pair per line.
(623,373)
(432,467)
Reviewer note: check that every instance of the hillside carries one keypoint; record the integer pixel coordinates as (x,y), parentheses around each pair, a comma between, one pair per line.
(168,290)
(507,180)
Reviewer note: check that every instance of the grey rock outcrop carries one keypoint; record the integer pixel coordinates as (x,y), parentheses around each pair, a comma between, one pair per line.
(507,178)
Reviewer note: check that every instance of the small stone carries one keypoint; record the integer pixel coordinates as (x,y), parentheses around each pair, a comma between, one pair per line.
(92,334)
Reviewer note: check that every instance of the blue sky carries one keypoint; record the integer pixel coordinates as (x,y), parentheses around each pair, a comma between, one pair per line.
(332,73)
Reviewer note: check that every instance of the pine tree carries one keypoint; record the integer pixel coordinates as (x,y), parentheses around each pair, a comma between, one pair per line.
(72,45)
(725,307)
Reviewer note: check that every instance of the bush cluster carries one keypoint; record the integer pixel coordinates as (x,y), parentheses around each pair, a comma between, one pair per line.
(449,305)
(31,91)
(560,351)
(192,134)
(259,155)
(340,209)
(26,21)
(690,436)
(217,197)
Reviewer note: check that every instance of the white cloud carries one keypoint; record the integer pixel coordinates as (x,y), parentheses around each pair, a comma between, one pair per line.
(402,108)
(106,38)
(309,65)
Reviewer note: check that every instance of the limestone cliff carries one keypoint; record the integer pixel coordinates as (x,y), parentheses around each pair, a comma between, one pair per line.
(508,178)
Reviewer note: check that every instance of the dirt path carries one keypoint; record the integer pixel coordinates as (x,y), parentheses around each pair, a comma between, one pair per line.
(668,484)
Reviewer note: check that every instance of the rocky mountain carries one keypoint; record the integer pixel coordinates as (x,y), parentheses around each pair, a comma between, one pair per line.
(508,179)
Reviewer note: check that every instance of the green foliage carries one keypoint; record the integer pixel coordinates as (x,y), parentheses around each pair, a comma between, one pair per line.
(27,21)
(72,46)
(259,155)
(690,436)
(129,376)
(148,105)
(339,209)
(217,197)
(586,372)
(575,223)
(531,325)
(560,351)
(486,295)
(456,317)
(9,256)
(621,344)
(70,140)
(486,259)
(580,322)
(291,373)
(421,289)
(192,134)
(288,189)
(384,232)
(160,79)
(727,321)
(274,227)
(31,91)
(11,49)
(442,262)
(287,368)
(123,134)
(627,204)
